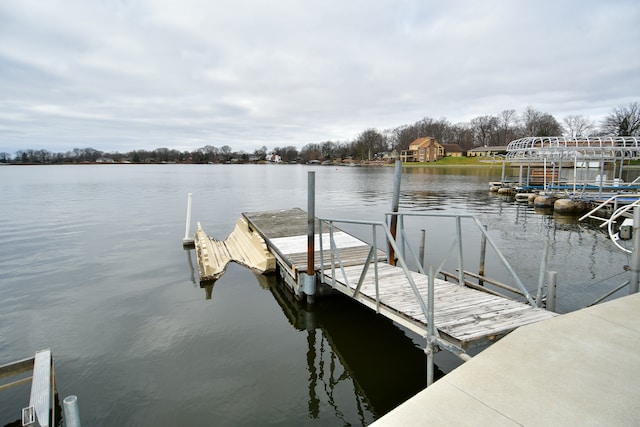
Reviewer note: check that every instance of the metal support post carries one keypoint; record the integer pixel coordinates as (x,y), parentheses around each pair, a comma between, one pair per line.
(71,411)
(551,290)
(423,241)
(483,255)
(395,205)
(543,269)
(311,223)
(460,251)
(431,329)
(635,258)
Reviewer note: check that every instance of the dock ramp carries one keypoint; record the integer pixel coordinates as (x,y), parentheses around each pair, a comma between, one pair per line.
(243,246)
(42,398)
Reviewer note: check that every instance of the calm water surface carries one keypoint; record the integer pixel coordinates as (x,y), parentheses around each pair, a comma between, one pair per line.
(92,266)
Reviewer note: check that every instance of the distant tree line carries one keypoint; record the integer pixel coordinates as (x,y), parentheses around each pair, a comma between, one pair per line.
(491,130)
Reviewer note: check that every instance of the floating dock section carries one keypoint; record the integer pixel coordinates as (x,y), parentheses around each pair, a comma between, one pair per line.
(243,246)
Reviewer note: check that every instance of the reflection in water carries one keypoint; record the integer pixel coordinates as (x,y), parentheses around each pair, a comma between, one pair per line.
(207,285)
(191,267)
(353,352)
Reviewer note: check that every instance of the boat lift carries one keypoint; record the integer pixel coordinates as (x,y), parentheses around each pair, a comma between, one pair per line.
(556,151)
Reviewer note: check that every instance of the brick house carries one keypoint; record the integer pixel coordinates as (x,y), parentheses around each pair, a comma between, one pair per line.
(453,150)
(423,150)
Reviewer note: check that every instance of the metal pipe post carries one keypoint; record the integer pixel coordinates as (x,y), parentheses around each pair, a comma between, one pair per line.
(543,269)
(460,252)
(395,205)
(423,239)
(187,240)
(483,254)
(71,411)
(635,259)
(431,329)
(310,278)
(311,221)
(551,290)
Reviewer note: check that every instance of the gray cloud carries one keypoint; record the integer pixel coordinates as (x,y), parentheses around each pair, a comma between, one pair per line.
(123,75)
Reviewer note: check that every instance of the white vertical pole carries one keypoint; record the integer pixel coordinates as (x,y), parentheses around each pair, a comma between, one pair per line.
(186,239)
(71,411)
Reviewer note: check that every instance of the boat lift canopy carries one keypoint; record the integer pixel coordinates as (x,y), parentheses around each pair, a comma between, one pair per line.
(602,148)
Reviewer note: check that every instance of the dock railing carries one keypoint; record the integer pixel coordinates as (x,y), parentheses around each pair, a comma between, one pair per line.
(404,243)
(432,337)
(401,244)
(372,257)
(398,247)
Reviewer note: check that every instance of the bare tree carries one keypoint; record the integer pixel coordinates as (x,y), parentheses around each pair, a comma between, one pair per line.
(329,149)
(537,123)
(623,121)
(225,150)
(369,143)
(462,134)
(311,152)
(577,126)
(261,152)
(508,129)
(485,130)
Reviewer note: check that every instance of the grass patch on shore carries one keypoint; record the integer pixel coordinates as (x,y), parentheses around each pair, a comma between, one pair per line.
(456,161)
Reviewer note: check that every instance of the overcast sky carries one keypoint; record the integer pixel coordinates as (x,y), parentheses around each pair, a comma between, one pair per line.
(119,75)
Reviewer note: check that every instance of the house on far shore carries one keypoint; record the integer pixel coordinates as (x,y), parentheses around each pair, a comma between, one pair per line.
(386,155)
(423,150)
(453,150)
(274,158)
(105,160)
(487,151)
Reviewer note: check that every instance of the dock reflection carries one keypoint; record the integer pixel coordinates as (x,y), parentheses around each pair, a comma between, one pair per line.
(356,360)
(352,348)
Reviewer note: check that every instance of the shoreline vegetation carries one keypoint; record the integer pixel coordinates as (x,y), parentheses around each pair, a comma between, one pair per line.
(466,162)
(470,162)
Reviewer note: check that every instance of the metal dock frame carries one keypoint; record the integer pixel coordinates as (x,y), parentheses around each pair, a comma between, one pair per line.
(42,400)
(397,249)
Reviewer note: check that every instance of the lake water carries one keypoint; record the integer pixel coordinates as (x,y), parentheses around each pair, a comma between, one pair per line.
(92,266)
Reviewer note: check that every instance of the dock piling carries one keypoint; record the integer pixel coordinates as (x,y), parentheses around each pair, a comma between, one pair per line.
(423,243)
(309,278)
(71,411)
(543,269)
(551,290)
(431,328)
(635,259)
(483,255)
(395,205)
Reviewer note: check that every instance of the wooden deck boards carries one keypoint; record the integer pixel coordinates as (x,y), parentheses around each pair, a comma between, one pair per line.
(285,232)
(464,316)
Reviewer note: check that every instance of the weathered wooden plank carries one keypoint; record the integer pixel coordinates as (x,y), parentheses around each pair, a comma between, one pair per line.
(459,312)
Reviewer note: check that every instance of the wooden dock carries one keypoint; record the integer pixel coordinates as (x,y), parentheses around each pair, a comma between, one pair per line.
(464,317)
